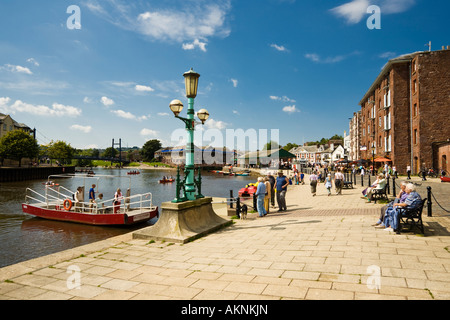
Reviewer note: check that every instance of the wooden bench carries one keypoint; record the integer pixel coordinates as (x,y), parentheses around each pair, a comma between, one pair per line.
(379,194)
(412,218)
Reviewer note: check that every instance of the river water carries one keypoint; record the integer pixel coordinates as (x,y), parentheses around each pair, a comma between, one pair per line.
(23,237)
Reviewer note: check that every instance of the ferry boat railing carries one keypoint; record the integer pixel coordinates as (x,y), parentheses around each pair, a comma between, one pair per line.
(29,197)
(130,202)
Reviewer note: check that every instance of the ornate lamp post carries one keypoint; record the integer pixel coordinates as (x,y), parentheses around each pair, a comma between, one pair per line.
(188,185)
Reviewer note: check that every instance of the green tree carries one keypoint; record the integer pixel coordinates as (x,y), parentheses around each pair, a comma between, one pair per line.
(149,149)
(16,145)
(110,153)
(272,145)
(60,151)
(290,146)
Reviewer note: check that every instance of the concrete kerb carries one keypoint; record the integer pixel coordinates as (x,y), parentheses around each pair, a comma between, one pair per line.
(184,222)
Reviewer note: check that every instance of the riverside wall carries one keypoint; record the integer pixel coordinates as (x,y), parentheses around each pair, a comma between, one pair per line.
(33,173)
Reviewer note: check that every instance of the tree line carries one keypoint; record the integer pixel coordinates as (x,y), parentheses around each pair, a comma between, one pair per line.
(18,145)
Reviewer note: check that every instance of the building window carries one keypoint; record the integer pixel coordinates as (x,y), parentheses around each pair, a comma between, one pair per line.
(415,136)
(415,86)
(416,111)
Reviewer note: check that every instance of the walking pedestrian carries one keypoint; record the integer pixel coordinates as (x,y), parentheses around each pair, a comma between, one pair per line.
(281,184)
(328,183)
(313,178)
(339,181)
(408,171)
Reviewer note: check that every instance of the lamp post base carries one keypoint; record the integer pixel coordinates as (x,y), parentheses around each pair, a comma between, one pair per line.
(184,222)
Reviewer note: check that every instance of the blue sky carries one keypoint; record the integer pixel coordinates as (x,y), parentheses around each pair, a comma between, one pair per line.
(297,66)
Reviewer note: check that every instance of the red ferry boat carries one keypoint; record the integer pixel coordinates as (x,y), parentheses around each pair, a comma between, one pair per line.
(61,204)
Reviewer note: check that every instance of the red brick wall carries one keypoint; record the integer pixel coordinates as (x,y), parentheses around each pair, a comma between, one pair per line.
(433,102)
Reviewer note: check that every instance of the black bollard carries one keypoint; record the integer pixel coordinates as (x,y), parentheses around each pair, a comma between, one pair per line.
(369,181)
(388,186)
(393,187)
(231,199)
(429,203)
(238,207)
(254,202)
(362,180)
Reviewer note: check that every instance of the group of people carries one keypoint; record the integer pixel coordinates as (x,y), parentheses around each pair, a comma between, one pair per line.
(95,202)
(339,180)
(268,188)
(407,198)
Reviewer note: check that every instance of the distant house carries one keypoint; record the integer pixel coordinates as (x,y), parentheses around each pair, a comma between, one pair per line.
(319,154)
(8,124)
(204,156)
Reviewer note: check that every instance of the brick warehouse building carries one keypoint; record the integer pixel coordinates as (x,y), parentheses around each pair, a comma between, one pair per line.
(405,115)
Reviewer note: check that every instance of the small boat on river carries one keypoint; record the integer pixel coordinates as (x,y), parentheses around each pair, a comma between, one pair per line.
(59,203)
(133,172)
(163,181)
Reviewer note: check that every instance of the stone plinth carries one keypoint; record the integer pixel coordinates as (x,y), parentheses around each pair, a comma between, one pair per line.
(183,222)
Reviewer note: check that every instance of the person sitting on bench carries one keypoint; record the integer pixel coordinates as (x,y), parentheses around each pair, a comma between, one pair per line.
(412,202)
(380,184)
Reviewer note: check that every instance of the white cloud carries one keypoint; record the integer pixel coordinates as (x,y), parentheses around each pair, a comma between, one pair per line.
(141,88)
(57,109)
(163,114)
(149,133)
(329,60)
(290,109)
(191,22)
(33,61)
(354,11)
(388,55)
(235,82)
(85,129)
(279,48)
(129,115)
(213,124)
(107,102)
(17,69)
(236,112)
(283,98)
(196,44)
(87,100)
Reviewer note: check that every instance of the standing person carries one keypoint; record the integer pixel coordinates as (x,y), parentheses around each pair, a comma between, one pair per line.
(268,195)
(339,181)
(281,184)
(92,196)
(328,183)
(314,180)
(260,195)
(272,190)
(79,199)
(408,171)
(117,200)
